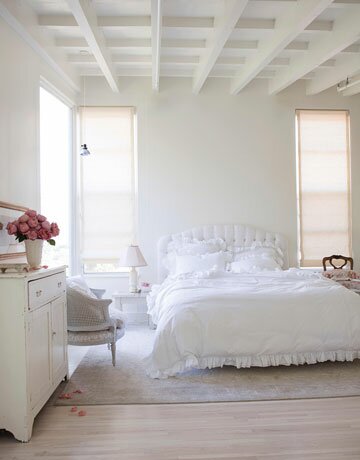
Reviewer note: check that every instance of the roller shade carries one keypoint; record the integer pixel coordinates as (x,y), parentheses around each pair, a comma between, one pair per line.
(107,186)
(323,184)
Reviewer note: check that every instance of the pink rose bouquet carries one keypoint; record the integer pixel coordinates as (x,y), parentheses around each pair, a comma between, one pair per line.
(33,226)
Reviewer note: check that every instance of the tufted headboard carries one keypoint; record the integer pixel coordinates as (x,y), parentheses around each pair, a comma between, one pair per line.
(233,234)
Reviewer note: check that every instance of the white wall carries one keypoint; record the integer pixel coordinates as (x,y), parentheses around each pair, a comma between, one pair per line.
(217,158)
(210,158)
(20,73)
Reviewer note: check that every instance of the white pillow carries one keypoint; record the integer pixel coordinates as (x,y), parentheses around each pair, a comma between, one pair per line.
(78,283)
(188,246)
(254,264)
(255,253)
(200,263)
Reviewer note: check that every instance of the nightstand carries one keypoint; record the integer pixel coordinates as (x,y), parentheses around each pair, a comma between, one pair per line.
(134,306)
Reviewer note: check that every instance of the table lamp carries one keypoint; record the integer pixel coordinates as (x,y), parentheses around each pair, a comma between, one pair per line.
(133,258)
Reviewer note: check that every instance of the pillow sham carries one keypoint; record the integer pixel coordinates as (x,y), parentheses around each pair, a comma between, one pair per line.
(189,246)
(200,263)
(258,252)
(254,264)
(198,247)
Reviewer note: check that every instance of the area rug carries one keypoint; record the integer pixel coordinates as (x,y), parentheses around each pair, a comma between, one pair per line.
(100,383)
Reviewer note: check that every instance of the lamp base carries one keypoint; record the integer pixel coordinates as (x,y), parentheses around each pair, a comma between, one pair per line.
(133,281)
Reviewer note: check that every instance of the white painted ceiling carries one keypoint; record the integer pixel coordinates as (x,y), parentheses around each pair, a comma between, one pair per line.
(279,40)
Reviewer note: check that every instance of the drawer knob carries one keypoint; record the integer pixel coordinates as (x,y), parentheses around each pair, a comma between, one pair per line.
(59,284)
(54,333)
(38,293)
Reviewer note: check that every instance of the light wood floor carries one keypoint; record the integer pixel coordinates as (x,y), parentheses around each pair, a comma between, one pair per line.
(319,429)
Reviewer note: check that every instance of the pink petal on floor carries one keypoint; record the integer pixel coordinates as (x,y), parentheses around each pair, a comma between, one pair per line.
(81,413)
(74,409)
(78,392)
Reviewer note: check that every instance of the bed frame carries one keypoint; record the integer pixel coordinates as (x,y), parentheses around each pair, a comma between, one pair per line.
(233,234)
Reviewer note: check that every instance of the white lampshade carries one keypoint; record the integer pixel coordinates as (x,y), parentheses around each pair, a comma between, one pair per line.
(132,257)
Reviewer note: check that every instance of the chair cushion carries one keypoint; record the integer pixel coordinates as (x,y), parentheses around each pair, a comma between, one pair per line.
(95,337)
(342,275)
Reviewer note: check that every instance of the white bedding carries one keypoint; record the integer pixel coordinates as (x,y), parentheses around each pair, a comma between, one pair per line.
(262,319)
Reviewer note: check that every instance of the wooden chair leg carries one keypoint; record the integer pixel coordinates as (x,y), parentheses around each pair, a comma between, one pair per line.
(113,353)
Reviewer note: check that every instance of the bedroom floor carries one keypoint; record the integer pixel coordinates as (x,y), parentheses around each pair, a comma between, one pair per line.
(315,429)
(299,429)
(127,383)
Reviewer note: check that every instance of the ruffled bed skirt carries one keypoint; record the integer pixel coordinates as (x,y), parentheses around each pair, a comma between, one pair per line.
(193,362)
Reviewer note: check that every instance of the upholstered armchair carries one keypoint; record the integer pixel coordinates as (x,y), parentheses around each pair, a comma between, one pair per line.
(89,320)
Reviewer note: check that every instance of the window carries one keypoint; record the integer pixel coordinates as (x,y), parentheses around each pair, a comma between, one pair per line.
(323,184)
(107,187)
(55,173)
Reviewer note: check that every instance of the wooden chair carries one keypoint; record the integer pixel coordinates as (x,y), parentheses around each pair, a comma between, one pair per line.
(88,318)
(346,260)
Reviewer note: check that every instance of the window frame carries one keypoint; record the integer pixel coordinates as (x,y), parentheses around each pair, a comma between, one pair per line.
(72,204)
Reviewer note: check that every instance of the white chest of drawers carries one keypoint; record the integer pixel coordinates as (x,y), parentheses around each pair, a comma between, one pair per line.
(33,345)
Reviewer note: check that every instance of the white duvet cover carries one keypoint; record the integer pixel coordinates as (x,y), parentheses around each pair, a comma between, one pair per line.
(261,319)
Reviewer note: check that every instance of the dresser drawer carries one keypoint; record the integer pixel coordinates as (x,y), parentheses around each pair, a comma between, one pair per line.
(45,289)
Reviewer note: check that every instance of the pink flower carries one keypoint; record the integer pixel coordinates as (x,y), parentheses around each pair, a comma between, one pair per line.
(32,235)
(33,226)
(24,218)
(55,229)
(65,396)
(23,227)
(32,222)
(44,234)
(46,225)
(11,228)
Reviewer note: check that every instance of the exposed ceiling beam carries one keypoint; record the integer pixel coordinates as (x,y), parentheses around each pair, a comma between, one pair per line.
(24,21)
(223,28)
(196,46)
(288,26)
(353,89)
(156,25)
(346,66)
(87,20)
(168,71)
(133,59)
(132,43)
(346,30)
(57,21)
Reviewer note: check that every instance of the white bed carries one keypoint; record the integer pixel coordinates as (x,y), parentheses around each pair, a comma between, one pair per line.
(267,318)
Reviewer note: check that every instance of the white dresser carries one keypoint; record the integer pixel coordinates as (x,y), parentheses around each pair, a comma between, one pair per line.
(33,345)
